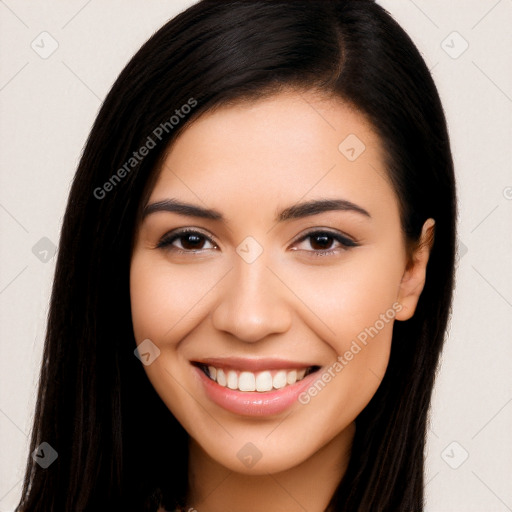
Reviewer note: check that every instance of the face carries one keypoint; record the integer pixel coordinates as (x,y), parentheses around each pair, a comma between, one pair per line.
(268,271)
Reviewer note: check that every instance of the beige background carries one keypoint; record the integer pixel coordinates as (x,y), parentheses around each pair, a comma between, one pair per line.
(48,106)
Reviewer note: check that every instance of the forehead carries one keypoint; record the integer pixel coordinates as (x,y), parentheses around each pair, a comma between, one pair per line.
(277,150)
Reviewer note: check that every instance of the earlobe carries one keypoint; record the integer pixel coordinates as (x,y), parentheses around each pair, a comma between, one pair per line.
(413,279)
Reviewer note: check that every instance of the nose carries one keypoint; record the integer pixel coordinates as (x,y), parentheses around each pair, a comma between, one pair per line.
(253,302)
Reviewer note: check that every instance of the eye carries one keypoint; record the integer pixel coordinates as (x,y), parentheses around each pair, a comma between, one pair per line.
(321,242)
(324,243)
(186,241)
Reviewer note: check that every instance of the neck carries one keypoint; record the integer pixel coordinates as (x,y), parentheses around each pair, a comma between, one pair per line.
(308,486)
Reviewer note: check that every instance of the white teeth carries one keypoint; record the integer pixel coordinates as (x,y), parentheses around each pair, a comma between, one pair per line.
(221,378)
(247,382)
(264,381)
(279,380)
(232,380)
(291,377)
(261,381)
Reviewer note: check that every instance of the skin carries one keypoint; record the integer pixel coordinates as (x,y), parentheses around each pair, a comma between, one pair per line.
(250,161)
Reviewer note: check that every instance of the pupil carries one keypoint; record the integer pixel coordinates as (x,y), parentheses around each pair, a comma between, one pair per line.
(324,241)
(192,241)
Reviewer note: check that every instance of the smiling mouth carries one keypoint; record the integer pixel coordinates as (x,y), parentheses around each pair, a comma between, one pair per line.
(261,381)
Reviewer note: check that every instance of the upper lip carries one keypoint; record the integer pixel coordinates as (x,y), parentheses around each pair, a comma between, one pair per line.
(252,364)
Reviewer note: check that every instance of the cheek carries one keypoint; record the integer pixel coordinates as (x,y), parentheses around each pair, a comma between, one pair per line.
(354,308)
(169,300)
(166,305)
(360,318)
(353,300)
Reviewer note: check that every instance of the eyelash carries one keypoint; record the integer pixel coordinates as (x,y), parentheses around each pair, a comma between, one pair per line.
(345,242)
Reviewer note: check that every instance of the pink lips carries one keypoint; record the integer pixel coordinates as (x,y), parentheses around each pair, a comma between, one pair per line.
(253,403)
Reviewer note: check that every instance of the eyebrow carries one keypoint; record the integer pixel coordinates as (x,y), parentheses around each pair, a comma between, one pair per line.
(296,211)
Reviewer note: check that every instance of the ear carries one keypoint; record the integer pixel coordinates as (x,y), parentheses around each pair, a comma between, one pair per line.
(413,279)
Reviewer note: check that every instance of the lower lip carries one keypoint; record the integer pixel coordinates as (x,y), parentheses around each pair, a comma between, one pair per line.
(254,403)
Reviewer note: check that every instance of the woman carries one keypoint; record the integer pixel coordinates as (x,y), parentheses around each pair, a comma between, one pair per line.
(264,215)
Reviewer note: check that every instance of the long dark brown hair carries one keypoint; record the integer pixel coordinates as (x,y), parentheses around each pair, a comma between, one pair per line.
(119,447)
